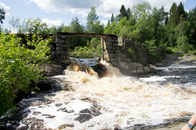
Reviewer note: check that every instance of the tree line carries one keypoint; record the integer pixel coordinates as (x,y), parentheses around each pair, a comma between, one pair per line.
(156,28)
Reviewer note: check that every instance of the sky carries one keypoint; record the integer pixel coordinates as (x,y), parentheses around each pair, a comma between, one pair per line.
(56,12)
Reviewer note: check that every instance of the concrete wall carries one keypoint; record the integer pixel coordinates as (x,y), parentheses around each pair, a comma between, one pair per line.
(115,52)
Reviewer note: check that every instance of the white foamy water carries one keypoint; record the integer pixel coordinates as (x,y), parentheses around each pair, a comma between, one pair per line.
(123,101)
(176,66)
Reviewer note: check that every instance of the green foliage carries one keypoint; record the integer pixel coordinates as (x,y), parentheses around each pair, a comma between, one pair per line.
(131,53)
(93,24)
(88,52)
(2,15)
(152,50)
(18,67)
(169,50)
(183,44)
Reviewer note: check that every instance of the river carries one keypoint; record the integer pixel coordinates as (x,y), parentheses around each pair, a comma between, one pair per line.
(115,101)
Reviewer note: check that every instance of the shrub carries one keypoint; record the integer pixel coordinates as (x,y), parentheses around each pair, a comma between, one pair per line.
(183,44)
(18,67)
(169,50)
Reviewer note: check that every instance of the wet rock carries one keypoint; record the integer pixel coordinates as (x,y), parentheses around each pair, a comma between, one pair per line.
(85,111)
(84,117)
(56,85)
(8,126)
(100,69)
(49,116)
(23,128)
(58,104)
(95,112)
(65,110)
(75,66)
(86,114)
(65,126)
(32,124)
(36,113)
(44,85)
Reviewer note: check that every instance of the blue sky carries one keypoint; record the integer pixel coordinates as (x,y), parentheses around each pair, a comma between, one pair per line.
(56,12)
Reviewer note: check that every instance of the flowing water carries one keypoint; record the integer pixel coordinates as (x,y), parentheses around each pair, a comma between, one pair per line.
(120,101)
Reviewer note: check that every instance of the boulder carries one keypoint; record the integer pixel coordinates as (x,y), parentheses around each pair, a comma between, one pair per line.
(124,65)
(100,69)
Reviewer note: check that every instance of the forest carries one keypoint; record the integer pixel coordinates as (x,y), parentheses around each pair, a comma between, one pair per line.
(156,29)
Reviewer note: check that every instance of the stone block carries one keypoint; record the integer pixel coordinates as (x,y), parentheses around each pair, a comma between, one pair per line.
(64,61)
(115,63)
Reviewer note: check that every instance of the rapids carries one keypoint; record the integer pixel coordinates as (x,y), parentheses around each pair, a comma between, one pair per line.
(122,101)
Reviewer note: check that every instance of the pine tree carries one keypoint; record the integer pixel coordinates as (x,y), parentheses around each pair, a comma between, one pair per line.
(2,15)
(174,15)
(112,18)
(108,23)
(128,14)
(123,13)
(181,10)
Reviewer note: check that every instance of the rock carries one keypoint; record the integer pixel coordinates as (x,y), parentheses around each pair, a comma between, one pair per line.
(124,65)
(56,85)
(86,114)
(159,64)
(44,85)
(100,69)
(51,69)
(140,68)
(75,66)
(23,128)
(152,66)
(133,66)
(8,126)
(49,116)
(65,125)
(84,117)
(58,104)
(2,125)
(146,69)
(85,111)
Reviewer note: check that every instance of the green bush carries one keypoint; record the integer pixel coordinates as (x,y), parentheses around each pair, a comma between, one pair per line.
(169,50)
(18,67)
(183,44)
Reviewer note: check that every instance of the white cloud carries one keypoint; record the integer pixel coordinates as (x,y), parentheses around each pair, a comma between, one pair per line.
(6,9)
(105,22)
(50,23)
(104,8)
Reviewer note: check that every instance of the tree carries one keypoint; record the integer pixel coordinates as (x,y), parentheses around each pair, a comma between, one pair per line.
(14,23)
(123,13)
(174,14)
(140,9)
(23,27)
(2,15)
(93,24)
(18,67)
(36,27)
(112,18)
(129,13)
(75,26)
(108,23)
(181,10)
